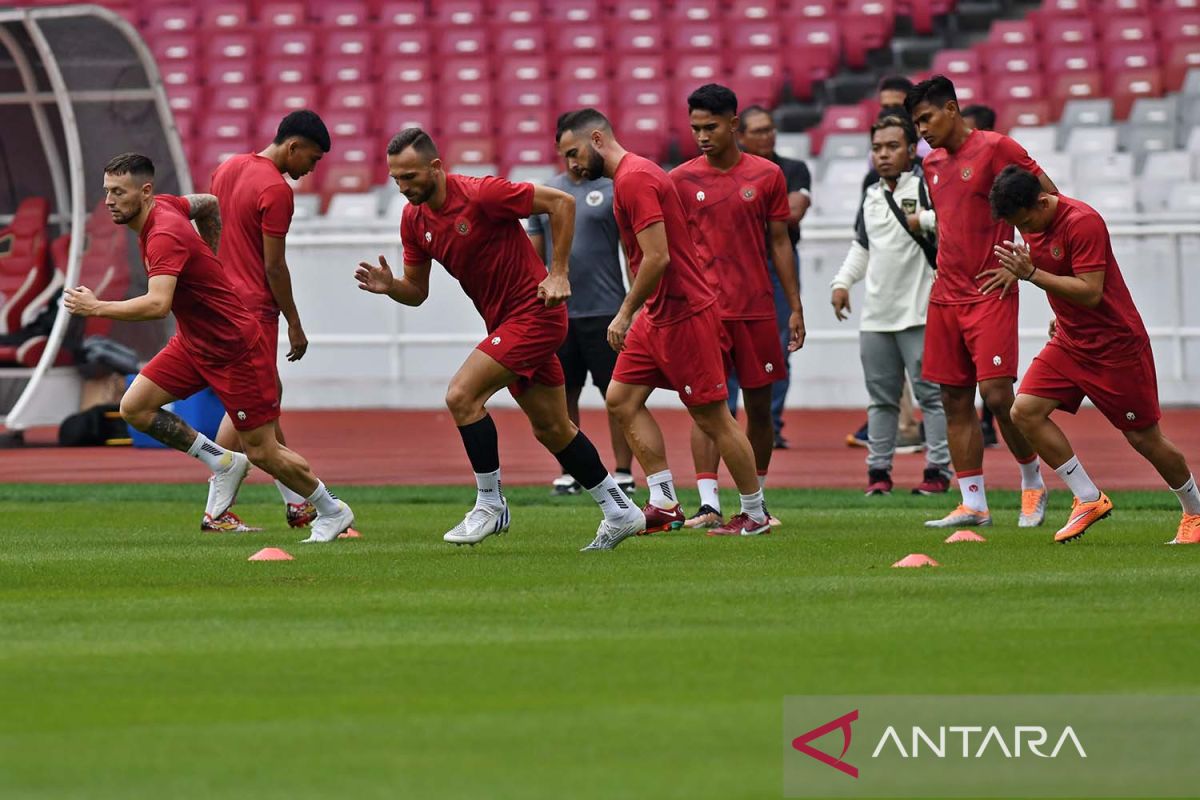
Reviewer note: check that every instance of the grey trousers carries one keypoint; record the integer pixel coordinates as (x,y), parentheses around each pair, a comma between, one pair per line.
(885,359)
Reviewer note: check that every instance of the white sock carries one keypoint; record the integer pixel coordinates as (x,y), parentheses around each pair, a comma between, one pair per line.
(215,457)
(288,495)
(762,480)
(708,493)
(1078,481)
(1031,475)
(662,490)
(487,490)
(752,504)
(612,501)
(1188,496)
(325,502)
(974,496)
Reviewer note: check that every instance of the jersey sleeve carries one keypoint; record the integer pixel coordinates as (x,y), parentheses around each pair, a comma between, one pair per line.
(778,209)
(165,254)
(1088,242)
(501,199)
(180,204)
(643,207)
(414,249)
(276,205)
(1009,151)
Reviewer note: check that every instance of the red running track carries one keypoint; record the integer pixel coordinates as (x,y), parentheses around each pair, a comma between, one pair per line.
(422,447)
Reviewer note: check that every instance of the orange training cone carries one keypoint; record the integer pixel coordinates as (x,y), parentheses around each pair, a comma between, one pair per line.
(916,560)
(964,536)
(270,554)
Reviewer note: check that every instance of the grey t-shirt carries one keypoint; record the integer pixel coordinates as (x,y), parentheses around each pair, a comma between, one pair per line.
(597,288)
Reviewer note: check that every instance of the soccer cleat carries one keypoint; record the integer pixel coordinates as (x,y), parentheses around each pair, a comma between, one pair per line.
(480,523)
(1033,507)
(625,482)
(959,517)
(610,534)
(226,523)
(659,520)
(772,520)
(706,517)
(742,525)
(565,485)
(225,485)
(300,514)
(1083,516)
(858,438)
(933,482)
(325,528)
(1189,530)
(879,482)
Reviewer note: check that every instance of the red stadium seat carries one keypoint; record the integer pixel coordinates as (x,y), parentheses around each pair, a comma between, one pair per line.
(418,70)
(174,47)
(755,36)
(523,94)
(460,41)
(24,264)
(575,11)
(459,13)
(865,25)
(637,10)
(406,43)
(342,14)
(408,96)
(1125,87)
(1013,33)
(394,121)
(473,95)
(971,89)
(1181,56)
(231,46)
(1010,89)
(754,10)
(225,15)
(468,122)
(1023,113)
(576,39)
(582,68)
(1072,31)
(225,126)
(288,70)
(813,54)
(809,9)
(179,73)
(525,40)
(642,68)
(474,69)
(1074,86)
(352,124)
(276,14)
(348,43)
(345,69)
(1065,8)
(696,37)
(757,79)
(185,99)
(638,37)
(1127,8)
(291,43)
(954,63)
(528,150)
(350,97)
(283,100)
(695,11)
(644,94)
(402,14)
(1002,60)
(469,152)
(523,68)
(231,72)
(528,122)
(517,12)
(1134,55)
(575,94)
(349,178)
(644,131)
(1178,26)
(169,19)
(1072,58)
(1123,30)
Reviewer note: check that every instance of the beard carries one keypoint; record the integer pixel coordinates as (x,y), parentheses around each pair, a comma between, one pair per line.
(424,196)
(595,165)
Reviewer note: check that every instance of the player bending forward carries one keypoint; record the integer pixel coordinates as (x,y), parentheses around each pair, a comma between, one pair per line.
(470,225)
(1099,350)
(217,343)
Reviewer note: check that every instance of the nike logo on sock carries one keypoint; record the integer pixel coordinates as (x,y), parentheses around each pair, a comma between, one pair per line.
(1072,469)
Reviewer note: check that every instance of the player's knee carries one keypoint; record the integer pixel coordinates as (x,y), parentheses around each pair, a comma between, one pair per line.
(1145,440)
(261,454)
(462,404)
(136,416)
(1023,414)
(998,398)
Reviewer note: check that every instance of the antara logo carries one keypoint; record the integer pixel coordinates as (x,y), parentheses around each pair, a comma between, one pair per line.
(842,723)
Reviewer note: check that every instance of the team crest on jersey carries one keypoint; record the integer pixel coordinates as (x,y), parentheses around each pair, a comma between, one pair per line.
(909,206)
(594,198)
(1057,252)
(748,193)
(700,196)
(935,180)
(463,227)
(428,237)
(967,173)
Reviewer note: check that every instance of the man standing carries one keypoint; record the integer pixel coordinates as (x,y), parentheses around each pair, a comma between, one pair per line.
(727,195)
(256,207)
(471,226)
(218,343)
(971,335)
(756,136)
(894,252)
(1100,349)
(597,290)
(674,343)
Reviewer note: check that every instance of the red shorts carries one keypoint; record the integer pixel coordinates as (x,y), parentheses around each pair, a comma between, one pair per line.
(685,356)
(754,351)
(271,332)
(971,342)
(1126,394)
(528,345)
(246,387)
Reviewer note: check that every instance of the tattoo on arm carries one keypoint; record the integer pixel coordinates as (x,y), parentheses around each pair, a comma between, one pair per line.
(207,214)
(171,430)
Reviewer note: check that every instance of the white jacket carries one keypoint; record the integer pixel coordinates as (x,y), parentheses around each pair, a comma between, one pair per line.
(899,278)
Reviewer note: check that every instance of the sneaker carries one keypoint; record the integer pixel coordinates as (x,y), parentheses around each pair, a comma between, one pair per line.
(959,517)
(1083,516)
(300,514)
(858,438)
(565,485)
(662,519)
(1189,530)
(741,525)
(611,534)
(706,517)
(625,482)
(226,523)
(935,481)
(225,485)
(1033,507)
(325,528)
(879,482)
(480,523)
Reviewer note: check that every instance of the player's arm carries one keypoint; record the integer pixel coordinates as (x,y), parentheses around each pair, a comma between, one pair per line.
(783,260)
(204,210)
(280,281)
(1085,289)
(560,208)
(652,240)
(411,288)
(154,304)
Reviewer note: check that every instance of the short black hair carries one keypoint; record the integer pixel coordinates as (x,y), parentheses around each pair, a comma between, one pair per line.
(1013,190)
(896,121)
(984,115)
(304,123)
(583,119)
(135,164)
(755,109)
(415,138)
(713,98)
(937,90)
(895,83)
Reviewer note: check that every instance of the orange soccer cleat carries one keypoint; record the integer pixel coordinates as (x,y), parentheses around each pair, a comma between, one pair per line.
(1189,530)
(1083,516)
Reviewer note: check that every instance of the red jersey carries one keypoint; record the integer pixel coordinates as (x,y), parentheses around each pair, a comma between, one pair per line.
(642,196)
(254,200)
(1076,242)
(726,206)
(959,184)
(476,236)
(211,320)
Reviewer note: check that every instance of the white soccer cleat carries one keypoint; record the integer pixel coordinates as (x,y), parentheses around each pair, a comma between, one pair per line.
(961,517)
(480,523)
(325,528)
(224,488)
(1033,507)
(610,534)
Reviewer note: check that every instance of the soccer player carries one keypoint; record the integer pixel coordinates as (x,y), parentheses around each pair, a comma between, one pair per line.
(597,290)
(674,342)
(256,210)
(971,336)
(218,342)
(1099,350)
(727,194)
(471,226)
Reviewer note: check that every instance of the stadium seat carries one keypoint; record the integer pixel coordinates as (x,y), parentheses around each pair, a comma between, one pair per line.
(169,19)
(1122,8)
(582,68)
(408,96)
(971,89)
(796,146)
(234,98)
(300,71)
(394,209)
(575,11)
(761,35)
(1112,200)
(847,146)
(224,15)
(459,13)
(283,100)
(179,73)
(1086,113)
(24,264)
(536,173)
(1180,58)
(644,94)
(528,150)
(753,9)
(841,171)
(395,120)
(402,14)
(455,41)
(1018,88)
(636,10)
(1142,140)
(229,125)
(1013,33)
(185,99)
(814,50)
(528,122)
(342,14)
(575,94)
(1008,60)
(1057,165)
(174,47)
(1170,166)
(645,131)
(1155,111)
(350,97)
(1104,167)
(838,203)
(638,37)
(344,69)
(696,37)
(1184,197)
(515,69)
(474,95)
(575,39)
(641,68)
(467,123)
(517,12)
(1092,141)
(865,25)
(1068,31)
(353,124)
(1071,58)
(757,79)
(694,11)
(1039,140)
(523,94)
(406,43)
(695,70)
(1065,8)
(276,14)
(353,206)
(469,151)
(289,43)
(1022,112)
(956,63)
(1127,86)
(524,40)
(348,43)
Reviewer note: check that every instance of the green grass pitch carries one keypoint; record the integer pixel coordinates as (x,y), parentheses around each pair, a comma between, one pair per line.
(141,658)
